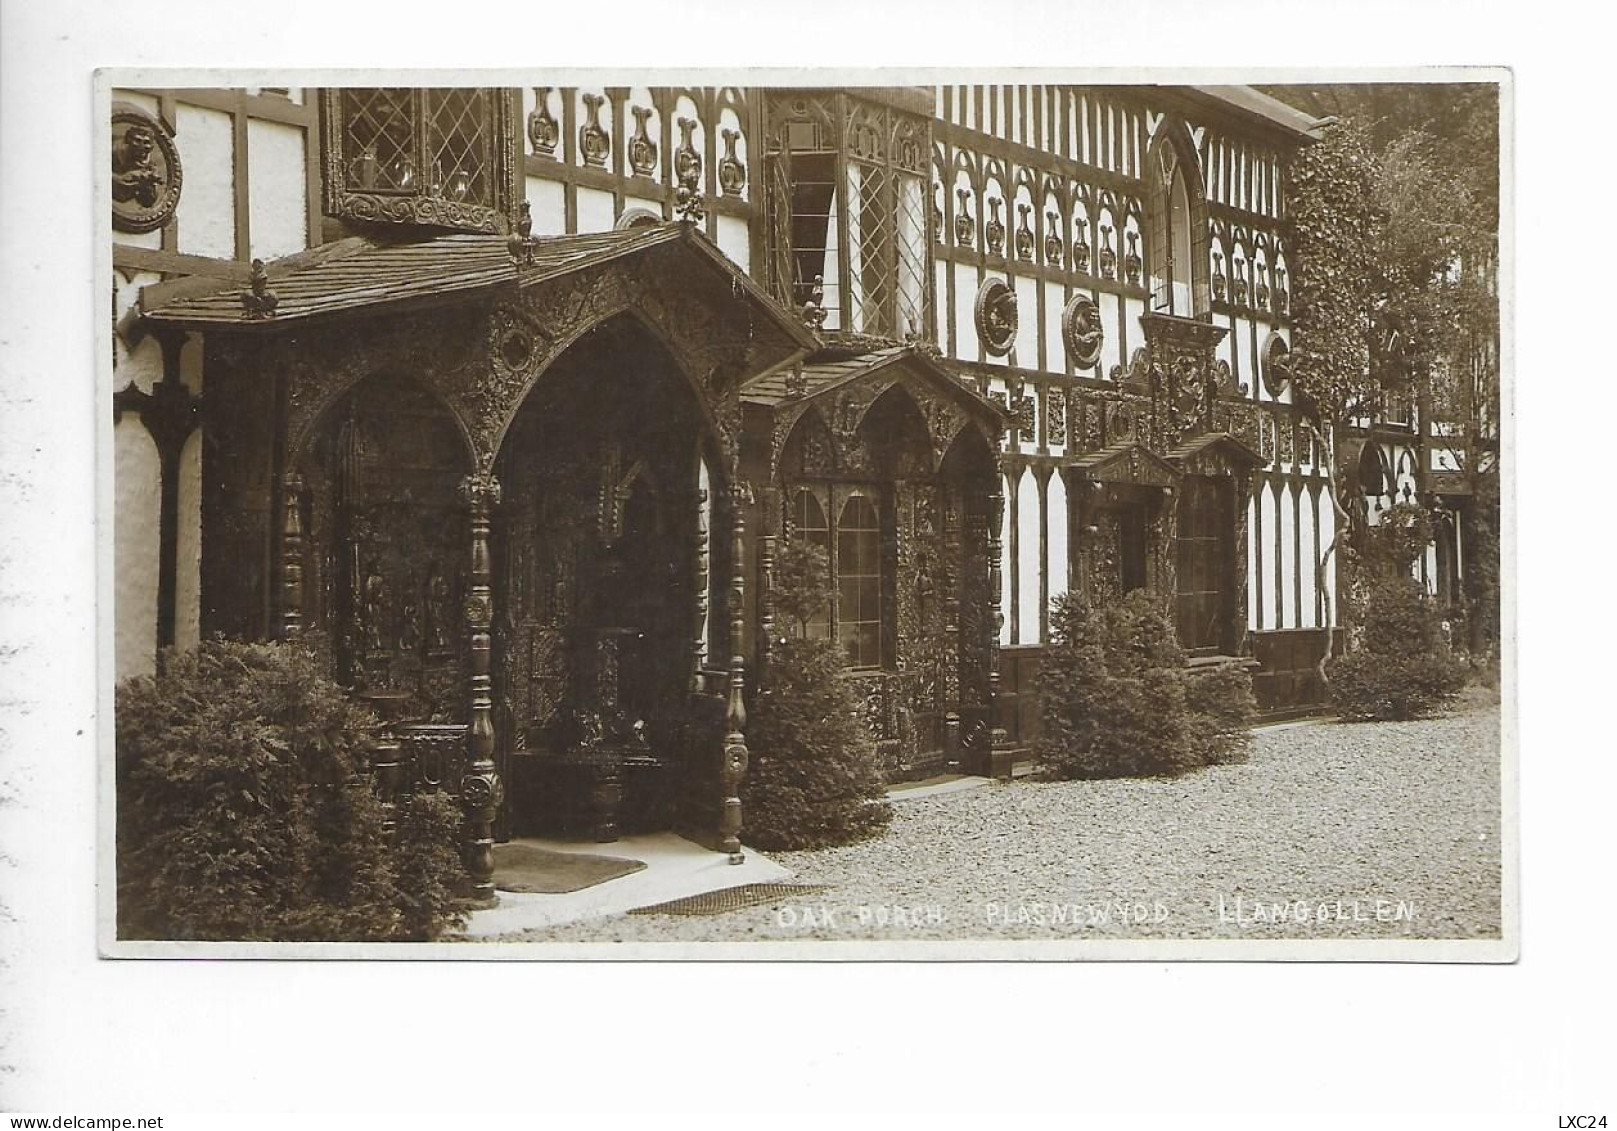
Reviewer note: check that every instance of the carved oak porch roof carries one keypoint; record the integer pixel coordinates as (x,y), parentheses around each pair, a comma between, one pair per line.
(1128,462)
(1215,451)
(367,273)
(846,387)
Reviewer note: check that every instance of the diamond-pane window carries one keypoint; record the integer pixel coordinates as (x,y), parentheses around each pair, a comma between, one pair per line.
(421,156)
(848,209)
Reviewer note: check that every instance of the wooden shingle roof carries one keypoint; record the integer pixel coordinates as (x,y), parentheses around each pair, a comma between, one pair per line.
(365,273)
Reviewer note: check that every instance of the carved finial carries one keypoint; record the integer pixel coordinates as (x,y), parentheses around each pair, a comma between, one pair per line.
(688,202)
(796,384)
(521,242)
(814,308)
(260,301)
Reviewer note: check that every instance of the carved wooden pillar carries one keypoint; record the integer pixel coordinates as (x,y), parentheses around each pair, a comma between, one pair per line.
(996,616)
(734,768)
(292,556)
(480,786)
(699,642)
(1241,489)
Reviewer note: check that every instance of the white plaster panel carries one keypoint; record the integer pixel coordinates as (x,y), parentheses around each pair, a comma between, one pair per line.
(1264,557)
(188,547)
(1254,558)
(1055,352)
(967,348)
(940,307)
(596,210)
(1055,508)
(1288,559)
(547,202)
(144,363)
(1025,350)
(277,189)
(1027,558)
(1310,563)
(1111,350)
(135,514)
(734,240)
(206,216)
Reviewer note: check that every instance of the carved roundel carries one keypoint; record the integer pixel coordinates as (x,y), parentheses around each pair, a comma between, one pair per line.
(996,317)
(1276,364)
(145,171)
(1082,332)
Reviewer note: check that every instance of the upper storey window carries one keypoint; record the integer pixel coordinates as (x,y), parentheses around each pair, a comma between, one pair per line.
(1168,242)
(441,157)
(848,211)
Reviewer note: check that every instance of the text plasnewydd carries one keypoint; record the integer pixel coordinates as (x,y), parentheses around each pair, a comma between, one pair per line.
(991,915)
(1325,913)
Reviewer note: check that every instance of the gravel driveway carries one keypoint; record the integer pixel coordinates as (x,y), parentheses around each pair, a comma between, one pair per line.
(1330,831)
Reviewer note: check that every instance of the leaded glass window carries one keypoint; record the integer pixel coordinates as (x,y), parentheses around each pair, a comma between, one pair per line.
(436,156)
(848,212)
(859,582)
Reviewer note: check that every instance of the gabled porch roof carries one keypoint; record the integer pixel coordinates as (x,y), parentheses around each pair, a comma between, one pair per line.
(1219,446)
(785,386)
(1127,462)
(373,274)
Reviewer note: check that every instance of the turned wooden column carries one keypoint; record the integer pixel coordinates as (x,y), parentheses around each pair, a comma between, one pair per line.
(996,616)
(480,785)
(734,768)
(291,556)
(699,638)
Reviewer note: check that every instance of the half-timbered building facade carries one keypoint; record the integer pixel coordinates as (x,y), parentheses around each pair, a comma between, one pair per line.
(508,399)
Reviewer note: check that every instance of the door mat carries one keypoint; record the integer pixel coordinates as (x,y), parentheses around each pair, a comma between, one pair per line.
(530,869)
(729,899)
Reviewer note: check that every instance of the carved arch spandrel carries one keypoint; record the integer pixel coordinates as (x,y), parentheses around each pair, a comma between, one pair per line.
(485,356)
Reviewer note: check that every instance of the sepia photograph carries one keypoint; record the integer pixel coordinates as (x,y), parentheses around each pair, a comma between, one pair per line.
(966,520)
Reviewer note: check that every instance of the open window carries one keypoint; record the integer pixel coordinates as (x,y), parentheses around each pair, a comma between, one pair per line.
(433,156)
(848,215)
(1171,241)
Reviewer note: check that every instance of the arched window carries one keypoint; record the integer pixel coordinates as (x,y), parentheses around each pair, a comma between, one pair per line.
(811,527)
(1169,240)
(859,582)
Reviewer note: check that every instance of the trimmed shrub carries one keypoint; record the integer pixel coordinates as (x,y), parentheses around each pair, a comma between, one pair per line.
(245,813)
(1222,708)
(813,780)
(1403,668)
(1119,701)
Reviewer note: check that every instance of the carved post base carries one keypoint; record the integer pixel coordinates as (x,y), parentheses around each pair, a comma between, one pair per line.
(606,795)
(951,741)
(735,769)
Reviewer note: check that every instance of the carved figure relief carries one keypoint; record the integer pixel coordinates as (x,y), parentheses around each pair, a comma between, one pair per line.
(996,316)
(1082,332)
(146,174)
